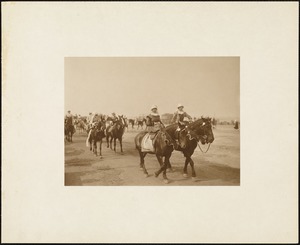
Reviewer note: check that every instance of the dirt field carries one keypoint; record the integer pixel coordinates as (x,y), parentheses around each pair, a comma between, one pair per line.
(220,166)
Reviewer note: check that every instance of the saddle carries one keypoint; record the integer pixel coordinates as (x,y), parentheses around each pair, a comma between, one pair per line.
(147,142)
(152,134)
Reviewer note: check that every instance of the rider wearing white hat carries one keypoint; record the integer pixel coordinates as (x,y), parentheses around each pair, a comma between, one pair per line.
(70,117)
(153,107)
(154,122)
(180,117)
(114,118)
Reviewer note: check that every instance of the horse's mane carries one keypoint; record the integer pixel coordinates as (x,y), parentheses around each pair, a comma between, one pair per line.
(199,121)
(171,126)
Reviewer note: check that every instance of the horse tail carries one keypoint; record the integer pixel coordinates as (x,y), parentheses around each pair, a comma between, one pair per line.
(87,140)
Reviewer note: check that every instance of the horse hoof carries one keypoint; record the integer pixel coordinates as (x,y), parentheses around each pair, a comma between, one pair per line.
(166,181)
(146,175)
(194,178)
(185,175)
(141,169)
(170,170)
(156,174)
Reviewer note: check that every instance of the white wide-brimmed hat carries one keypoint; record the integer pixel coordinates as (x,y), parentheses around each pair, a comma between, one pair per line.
(179,105)
(153,107)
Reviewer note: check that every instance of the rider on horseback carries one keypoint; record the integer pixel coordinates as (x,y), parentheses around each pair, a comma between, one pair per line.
(69,118)
(154,122)
(93,119)
(154,125)
(114,118)
(179,117)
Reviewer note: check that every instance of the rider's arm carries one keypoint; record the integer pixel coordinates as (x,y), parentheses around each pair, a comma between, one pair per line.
(174,118)
(188,116)
(161,123)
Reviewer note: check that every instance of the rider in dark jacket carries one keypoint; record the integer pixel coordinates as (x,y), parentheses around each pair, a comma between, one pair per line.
(154,122)
(179,117)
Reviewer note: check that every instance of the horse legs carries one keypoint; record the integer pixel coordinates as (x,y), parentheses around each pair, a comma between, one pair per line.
(163,168)
(107,140)
(142,163)
(168,164)
(113,139)
(193,169)
(95,147)
(187,160)
(100,147)
(115,143)
(90,143)
(121,146)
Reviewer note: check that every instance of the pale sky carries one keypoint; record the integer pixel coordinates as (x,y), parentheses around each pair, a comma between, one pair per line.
(208,86)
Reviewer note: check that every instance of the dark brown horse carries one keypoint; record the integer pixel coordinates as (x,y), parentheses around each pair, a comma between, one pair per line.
(115,132)
(140,123)
(131,122)
(69,129)
(199,130)
(163,145)
(96,136)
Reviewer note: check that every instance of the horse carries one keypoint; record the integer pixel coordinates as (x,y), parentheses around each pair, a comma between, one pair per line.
(131,122)
(81,126)
(140,123)
(214,123)
(114,132)
(236,125)
(125,121)
(69,129)
(163,146)
(199,130)
(96,135)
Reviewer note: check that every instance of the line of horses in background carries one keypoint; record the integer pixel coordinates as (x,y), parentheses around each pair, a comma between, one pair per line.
(110,131)
(81,125)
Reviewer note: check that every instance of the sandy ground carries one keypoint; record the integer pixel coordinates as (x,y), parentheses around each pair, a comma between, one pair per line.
(220,166)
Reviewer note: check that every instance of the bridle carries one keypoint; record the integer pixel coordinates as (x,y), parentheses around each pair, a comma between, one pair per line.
(100,126)
(198,140)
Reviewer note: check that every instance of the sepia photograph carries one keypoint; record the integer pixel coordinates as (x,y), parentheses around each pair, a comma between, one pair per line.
(180,122)
(152,121)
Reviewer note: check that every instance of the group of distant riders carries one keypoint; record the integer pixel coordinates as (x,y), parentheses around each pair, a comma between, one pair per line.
(153,120)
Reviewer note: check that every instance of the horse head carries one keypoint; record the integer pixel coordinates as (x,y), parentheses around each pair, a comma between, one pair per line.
(100,125)
(201,129)
(147,120)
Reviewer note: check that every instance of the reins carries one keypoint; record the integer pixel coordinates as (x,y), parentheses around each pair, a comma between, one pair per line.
(201,149)
(200,146)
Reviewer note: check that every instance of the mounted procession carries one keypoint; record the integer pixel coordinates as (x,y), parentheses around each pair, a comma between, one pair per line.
(182,133)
